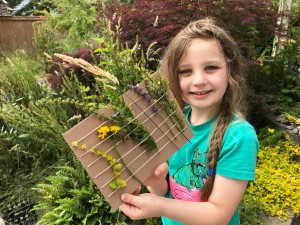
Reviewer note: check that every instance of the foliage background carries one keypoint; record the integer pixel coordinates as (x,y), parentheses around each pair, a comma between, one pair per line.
(43,97)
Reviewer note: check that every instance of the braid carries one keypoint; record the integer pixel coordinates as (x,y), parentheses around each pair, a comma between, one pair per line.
(214,151)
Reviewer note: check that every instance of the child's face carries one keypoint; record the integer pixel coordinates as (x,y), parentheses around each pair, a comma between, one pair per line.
(203,76)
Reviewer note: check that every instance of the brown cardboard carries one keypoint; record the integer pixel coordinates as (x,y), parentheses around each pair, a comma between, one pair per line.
(166,132)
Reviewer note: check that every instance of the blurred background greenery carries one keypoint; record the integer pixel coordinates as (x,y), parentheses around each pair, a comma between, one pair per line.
(42,97)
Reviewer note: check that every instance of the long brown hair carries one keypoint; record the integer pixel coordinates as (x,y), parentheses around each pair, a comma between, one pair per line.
(233,99)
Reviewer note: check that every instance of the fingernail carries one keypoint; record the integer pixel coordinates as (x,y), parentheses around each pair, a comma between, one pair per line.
(123,197)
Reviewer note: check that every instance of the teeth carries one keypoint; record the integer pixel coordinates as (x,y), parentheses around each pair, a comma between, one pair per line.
(201,92)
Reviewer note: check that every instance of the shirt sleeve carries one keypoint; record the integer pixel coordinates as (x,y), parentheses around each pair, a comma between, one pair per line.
(238,155)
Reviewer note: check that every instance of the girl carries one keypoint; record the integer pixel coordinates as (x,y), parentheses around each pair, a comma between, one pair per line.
(205,180)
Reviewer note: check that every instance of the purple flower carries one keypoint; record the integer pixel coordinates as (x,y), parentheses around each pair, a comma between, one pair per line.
(7,98)
(149,97)
(129,86)
(154,108)
(41,81)
(140,92)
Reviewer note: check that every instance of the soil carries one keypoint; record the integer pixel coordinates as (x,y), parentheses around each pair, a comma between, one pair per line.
(275,221)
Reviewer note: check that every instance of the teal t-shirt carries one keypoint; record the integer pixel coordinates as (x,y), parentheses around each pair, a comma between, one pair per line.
(187,166)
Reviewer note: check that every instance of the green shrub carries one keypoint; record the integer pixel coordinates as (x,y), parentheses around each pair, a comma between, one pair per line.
(70,197)
(251,210)
(284,71)
(121,62)
(67,27)
(19,75)
(277,182)
(281,71)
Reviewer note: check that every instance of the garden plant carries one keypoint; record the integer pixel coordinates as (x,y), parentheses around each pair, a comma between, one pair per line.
(44,96)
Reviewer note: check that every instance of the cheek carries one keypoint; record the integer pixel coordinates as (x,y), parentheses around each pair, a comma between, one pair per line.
(223,82)
(182,84)
(223,87)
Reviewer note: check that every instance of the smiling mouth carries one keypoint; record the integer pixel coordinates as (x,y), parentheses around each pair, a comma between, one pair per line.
(200,92)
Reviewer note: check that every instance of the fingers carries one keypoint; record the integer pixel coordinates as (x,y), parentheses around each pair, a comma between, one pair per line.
(158,176)
(161,170)
(129,210)
(128,198)
(141,206)
(137,191)
(124,198)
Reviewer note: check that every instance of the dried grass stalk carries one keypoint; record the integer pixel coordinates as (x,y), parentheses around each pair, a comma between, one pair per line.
(88,67)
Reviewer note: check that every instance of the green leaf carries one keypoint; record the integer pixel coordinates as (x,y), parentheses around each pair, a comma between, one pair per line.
(117,183)
(121,183)
(117,167)
(113,184)
(23,136)
(117,173)
(100,40)
(101,50)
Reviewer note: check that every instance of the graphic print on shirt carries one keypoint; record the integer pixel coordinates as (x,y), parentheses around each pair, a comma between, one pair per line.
(186,182)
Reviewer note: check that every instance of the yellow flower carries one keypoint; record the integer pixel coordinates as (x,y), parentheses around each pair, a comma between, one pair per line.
(74,143)
(102,131)
(271,130)
(260,154)
(114,129)
(101,135)
(290,41)
(83,146)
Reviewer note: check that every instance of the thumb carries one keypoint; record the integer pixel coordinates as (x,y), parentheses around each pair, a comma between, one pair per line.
(129,199)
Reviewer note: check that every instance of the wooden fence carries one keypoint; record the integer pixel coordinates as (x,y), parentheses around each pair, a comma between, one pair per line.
(17,32)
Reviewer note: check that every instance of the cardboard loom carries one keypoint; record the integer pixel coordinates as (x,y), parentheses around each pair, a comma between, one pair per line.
(168,135)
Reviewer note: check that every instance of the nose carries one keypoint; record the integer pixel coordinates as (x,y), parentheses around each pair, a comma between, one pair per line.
(199,78)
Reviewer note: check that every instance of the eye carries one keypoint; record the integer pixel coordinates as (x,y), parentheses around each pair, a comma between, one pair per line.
(210,68)
(184,72)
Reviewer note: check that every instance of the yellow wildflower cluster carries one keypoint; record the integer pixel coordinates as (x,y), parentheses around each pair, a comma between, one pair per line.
(271,130)
(278,179)
(105,130)
(116,182)
(292,119)
(75,144)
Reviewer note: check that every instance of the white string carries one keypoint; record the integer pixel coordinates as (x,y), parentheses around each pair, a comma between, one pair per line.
(119,143)
(149,117)
(137,146)
(121,127)
(97,129)
(148,159)
(126,136)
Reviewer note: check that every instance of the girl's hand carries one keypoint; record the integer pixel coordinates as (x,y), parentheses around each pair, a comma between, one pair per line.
(141,206)
(156,183)
(158,176)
